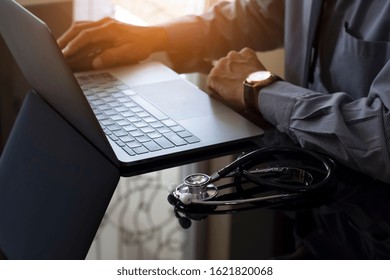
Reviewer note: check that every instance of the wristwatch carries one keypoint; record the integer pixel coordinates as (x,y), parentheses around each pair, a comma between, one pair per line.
(253,84)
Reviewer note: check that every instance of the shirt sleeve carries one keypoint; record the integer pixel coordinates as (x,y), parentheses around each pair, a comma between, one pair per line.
(229,25)
(354,132)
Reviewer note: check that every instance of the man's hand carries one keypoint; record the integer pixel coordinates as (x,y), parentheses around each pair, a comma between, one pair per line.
(225,79)
(108,42)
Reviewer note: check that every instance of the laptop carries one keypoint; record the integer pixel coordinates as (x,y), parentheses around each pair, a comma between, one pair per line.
(141,117)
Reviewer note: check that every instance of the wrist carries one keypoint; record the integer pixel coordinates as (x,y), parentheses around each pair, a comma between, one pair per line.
(158,38)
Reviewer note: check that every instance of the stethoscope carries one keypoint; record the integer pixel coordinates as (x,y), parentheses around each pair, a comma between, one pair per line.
(267,177)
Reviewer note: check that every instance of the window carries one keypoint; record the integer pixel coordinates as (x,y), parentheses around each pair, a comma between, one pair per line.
(138,11)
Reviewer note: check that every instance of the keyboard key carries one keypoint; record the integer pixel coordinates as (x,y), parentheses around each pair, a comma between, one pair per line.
(134,119)
(97,102)
(122,87)
(177,128)
(124,99)
(127,113)
(120,143)
(130,104)
(133,144)
(126,138)
(142,138)
(116,117)
(109,99)
(113,127)
(175,139)
(130,127)
(136,133)
(156,124)
(163,129)
(110,89)
(128,92)
(140,150)
(113,137)
(123,122)
(137,109)
(101,95)
(152,146)
(111,112)
(149,107)
(118,94)
(143,114)
(121,109)
(104,107)
(147,129)
(115,104)
(129,151)
(192,139)
(140,124)
(120,133)
(149,119)
(154,135)
(184,134)
(107,122)
(164,143)
(101,117)
(169,122)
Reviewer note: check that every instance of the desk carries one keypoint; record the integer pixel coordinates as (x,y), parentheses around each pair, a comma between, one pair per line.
(353,223)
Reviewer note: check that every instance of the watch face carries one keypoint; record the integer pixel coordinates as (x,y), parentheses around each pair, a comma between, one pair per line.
(258,76)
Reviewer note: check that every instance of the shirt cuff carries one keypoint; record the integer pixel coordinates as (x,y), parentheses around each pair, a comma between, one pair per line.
(276,103)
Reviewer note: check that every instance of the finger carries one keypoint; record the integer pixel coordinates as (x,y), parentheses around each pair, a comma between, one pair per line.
(212,82)
(74,32)
(233,55)
(70,33)
(251,56)
(123,54)
(221,64)
(87,38)
(76,28)
(248,53)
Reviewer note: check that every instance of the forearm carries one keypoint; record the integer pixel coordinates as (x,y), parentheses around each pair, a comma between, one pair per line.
(227,26)
(354,132)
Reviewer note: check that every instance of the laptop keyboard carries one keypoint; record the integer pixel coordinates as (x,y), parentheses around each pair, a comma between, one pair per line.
(128,119)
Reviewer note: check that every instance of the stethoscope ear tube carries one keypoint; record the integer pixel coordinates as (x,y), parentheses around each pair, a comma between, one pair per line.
(311,163)
(243,163)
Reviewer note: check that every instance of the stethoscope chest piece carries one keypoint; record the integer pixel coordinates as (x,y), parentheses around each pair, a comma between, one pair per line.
(195,187)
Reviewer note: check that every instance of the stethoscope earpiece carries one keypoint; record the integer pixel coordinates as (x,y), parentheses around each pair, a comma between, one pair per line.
(171,199)
(184,222)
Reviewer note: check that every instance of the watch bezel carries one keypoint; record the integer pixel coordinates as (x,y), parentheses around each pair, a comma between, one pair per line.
(254,77)
(252,88)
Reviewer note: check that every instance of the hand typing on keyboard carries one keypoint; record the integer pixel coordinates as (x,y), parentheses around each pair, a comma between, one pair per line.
(123,43)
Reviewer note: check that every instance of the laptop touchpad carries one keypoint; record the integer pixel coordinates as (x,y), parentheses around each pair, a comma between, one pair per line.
(179,99)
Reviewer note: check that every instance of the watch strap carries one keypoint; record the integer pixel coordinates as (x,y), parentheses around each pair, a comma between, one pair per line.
(251,97)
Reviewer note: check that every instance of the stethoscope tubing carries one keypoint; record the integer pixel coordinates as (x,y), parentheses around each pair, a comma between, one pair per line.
(242,201)
(240,169)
